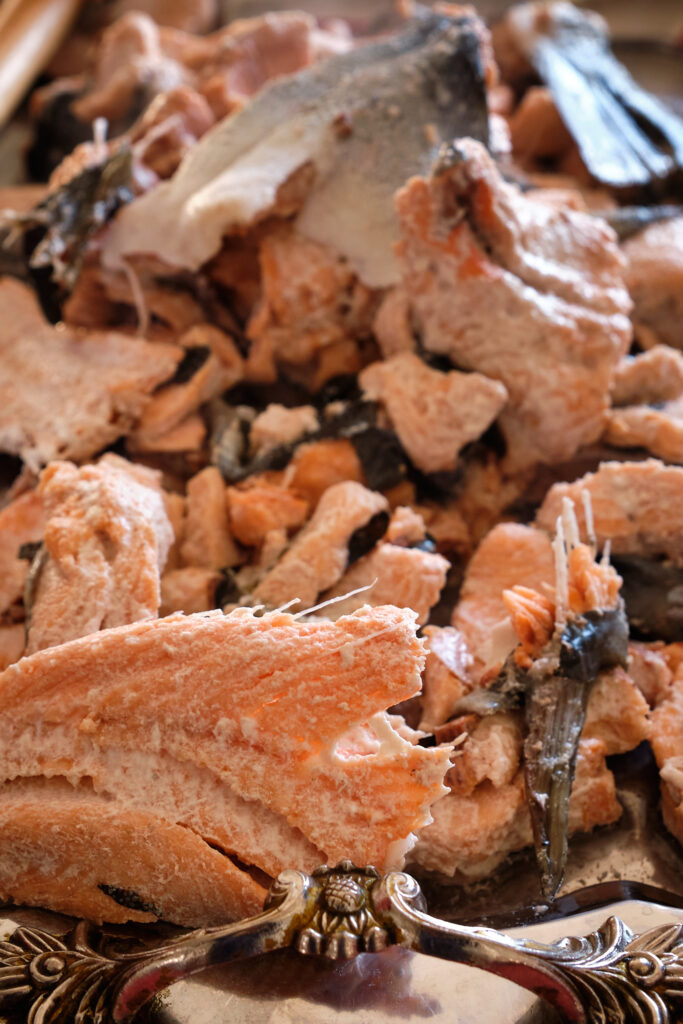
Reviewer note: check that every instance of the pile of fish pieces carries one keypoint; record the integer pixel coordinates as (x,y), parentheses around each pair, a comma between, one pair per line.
(408,465)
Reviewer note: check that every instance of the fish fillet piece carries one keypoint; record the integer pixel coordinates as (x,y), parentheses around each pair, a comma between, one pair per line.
(21,522)
(636,506)
(666,738)
(447,674)
(255,511)
(649,671)
(65,848)
(263,703)
(617,713)
(492,751)
(208,540)
(523,293)
(12,644)
(648,390)
(106,538)
(509,555)
(536,128)
(435,414)
(654,277)
(658,430)
(652,376)
(472,834)
(406,577)
(172,404)
(321,464)
(310,300)
(83,388)
(189,590)
(318,555)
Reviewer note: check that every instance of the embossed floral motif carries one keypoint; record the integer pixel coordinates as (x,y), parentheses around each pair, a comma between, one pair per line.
(343,922)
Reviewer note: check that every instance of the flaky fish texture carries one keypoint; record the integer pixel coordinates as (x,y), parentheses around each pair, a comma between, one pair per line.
(265,736)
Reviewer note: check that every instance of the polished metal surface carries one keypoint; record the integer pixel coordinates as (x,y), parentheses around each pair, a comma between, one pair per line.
(616,972)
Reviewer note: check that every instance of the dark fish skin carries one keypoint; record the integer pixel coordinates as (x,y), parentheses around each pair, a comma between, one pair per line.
(379,450)
(627,221)
(627,137)
(365,537)
(554,693)
(57,230)
(555,711)
(653,593)
(401,96)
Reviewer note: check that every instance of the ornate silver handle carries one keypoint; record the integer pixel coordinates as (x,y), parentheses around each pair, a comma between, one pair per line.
(610,975)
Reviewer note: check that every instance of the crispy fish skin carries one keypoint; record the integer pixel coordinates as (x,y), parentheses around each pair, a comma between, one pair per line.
(527,295)
(263,703)
(106,539)
(97,383)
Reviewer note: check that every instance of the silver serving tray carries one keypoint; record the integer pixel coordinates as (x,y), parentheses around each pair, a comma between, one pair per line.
(633,869)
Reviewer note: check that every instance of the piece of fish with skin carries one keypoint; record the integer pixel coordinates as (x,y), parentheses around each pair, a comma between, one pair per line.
(472,835)
(232,176)
(589,635)
(434,414)
(158,869)
(564,643)
(523,293)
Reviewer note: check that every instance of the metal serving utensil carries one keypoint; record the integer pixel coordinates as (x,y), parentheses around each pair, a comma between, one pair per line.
(609,975)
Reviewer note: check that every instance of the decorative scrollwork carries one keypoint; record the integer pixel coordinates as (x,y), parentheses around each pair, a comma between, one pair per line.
(608,977)
(64,983)
(630,978)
